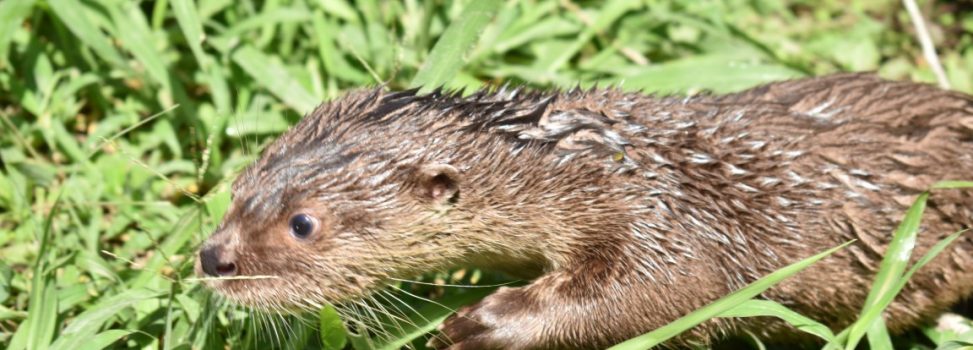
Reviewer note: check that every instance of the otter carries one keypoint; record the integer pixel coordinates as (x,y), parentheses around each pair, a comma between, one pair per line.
(625,210)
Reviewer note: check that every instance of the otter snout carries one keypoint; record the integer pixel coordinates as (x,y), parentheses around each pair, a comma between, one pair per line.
(215,263)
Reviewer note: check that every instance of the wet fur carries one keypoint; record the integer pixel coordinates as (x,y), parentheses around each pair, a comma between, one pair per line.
(629,210)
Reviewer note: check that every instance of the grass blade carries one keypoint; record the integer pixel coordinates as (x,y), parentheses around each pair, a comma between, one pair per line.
(192,28)
(932,253)
(39,327)
(134,32)
(72,13)
(878,336)
(334,63)
(12,14)
(274,77)
(181,232)
(890,271)
(446,58)
(732,300)
(103,340)
(715,72)
(956,345)
(85,325)
(952,184)
(268,19)
(878,341)
(610,13)
(754,307)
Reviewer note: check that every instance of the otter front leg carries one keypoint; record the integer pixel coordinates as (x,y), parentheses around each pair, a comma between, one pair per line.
(496,322)
(590,307)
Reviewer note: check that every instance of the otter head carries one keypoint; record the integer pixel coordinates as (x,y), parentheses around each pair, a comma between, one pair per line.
(334,208)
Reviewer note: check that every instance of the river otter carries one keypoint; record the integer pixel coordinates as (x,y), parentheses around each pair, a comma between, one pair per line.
(627,211)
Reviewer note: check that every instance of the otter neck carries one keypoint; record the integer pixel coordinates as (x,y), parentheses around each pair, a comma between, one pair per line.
(521,219)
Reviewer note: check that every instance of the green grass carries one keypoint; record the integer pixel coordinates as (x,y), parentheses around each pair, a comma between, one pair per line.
(124,122)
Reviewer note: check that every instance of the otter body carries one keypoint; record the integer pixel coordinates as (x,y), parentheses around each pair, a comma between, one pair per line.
(628,211)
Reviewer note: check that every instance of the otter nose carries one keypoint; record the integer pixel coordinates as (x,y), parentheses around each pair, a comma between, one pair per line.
(213,263)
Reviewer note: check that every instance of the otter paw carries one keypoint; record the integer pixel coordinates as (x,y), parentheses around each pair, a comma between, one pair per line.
(482,325)
(462,330)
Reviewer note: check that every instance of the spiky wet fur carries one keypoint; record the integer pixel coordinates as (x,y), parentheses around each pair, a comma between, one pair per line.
(630,210)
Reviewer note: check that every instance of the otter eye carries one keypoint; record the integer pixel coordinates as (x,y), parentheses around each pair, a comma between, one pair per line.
(302,225)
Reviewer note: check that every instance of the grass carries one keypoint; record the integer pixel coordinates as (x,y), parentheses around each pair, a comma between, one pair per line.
(124,122)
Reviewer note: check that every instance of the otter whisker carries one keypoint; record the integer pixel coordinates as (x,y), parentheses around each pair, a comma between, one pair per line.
(363,331)
(456,285)
(369,317)
(392,317)
(354,319)
(272,323)
(361,321)
(388,297)
(283,321)
(280,327)
(253,323)
(424,299)
(436,335)
(398,311)
(311,304)
(371,312)
(229,278)
(381,293)
(262,324)
(346,315)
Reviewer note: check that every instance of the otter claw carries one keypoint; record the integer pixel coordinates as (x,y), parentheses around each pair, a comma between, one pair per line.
(460,331)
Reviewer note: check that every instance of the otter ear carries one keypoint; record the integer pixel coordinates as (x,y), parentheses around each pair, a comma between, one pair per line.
(438,183)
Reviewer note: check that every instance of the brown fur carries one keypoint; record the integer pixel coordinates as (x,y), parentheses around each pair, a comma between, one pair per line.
(630,210)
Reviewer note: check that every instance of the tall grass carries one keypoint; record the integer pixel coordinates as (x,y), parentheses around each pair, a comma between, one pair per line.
(124,122)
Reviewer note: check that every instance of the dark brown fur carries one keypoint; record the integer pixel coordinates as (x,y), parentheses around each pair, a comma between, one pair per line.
(628,210)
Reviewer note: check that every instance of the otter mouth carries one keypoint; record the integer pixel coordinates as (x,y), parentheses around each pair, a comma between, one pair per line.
(261,293)
(277,293)
(277,283)
(251,291)
(223,272)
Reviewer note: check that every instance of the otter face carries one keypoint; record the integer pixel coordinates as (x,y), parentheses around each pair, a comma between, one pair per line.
(310,227)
